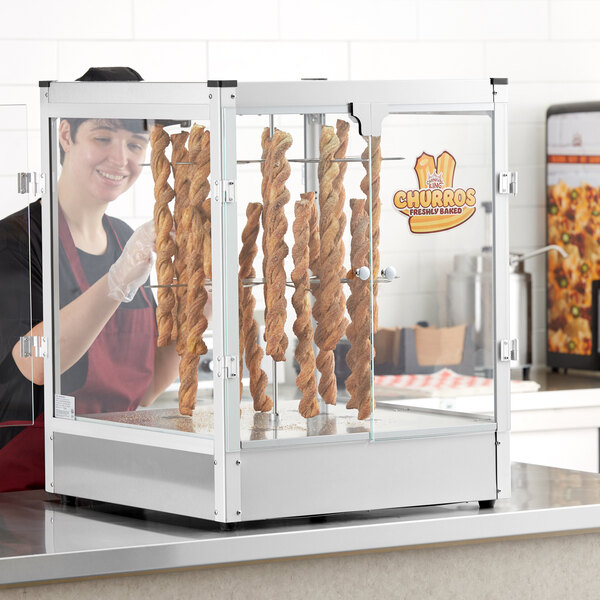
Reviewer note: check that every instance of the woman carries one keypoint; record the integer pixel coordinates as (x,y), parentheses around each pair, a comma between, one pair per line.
(108,356)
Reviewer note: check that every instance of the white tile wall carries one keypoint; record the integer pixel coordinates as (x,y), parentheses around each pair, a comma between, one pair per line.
(67,20)
(487,20)
(155,60)
(563,61)
(547,48)
(27,62)
(530,100)
(574,19)
(348,20)
(527,227)
(287,61)
(417,60)
(206,20)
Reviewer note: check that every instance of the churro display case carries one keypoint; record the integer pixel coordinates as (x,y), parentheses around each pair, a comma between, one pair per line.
(305,237)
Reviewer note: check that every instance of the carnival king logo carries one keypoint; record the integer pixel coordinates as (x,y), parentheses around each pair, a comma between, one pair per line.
(436,205)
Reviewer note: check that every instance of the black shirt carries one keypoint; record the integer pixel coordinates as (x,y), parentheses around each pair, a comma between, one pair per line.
(21,306)
(20,309)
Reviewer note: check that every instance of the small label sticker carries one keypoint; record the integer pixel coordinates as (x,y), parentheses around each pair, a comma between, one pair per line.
(64,406)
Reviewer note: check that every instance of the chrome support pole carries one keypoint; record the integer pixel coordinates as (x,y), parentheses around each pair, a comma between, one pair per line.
(275,390)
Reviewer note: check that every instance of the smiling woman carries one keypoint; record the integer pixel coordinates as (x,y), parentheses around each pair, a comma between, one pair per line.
(101,159)
(108,355)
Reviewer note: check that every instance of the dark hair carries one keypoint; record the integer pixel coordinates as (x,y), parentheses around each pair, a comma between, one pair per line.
(109,74)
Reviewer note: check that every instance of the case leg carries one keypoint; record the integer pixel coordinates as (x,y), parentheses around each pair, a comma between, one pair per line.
(487,503)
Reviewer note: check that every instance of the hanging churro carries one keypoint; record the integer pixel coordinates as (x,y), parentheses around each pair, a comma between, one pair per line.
(265,142)
(196,322)
(163,223)
(179,158)
(314,243)
(275,197)
(375,174)
(342,129)
(306,380)
(358,332)
(248,325)
(327,310)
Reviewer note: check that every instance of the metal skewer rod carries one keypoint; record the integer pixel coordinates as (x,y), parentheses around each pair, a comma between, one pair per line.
(275,389)
(177,163)
(250,282)
(274,416)
(271,126)
(348,159)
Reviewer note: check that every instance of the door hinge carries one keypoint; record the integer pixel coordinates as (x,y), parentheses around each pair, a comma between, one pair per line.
(227,366)
(31,183)
(508,182)
(509,350)
(34,345)
(225,191)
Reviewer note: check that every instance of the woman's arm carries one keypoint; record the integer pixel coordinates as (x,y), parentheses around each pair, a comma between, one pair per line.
(80,323)
(166,366)
(84,318)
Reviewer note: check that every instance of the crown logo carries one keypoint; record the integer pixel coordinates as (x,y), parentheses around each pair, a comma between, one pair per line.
(435,181)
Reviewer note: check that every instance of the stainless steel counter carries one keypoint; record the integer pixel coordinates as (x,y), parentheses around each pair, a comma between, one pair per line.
(563,379)
(43,540)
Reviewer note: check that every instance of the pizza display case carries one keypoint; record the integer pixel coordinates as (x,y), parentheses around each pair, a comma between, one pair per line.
(328,217)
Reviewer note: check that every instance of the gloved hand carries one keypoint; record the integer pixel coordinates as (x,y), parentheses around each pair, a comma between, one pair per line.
(132,268)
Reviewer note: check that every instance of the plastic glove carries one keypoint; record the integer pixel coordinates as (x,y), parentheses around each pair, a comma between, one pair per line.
(133,267)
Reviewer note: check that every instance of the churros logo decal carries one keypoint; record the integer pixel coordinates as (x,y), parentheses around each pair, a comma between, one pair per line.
(436,205)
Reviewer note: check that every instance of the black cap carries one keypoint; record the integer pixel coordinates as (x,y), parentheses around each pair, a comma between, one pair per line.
(110,74)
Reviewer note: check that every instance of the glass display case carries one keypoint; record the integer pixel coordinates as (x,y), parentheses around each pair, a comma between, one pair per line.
(307,319)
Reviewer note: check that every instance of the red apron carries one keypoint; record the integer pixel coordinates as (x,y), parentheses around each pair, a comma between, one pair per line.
(120,369)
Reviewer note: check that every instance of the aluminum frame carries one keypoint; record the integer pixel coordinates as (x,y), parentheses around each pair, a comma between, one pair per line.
(501,290)
(225,302)
(366,102)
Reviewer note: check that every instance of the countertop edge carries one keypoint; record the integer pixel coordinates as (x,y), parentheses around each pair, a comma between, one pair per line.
(234,548)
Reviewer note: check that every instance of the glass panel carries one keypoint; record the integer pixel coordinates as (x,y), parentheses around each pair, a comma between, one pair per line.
(124,325)
(433,303)
(296,187)
(21,301)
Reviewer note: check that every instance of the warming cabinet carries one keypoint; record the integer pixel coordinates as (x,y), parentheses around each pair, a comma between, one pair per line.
(317,229)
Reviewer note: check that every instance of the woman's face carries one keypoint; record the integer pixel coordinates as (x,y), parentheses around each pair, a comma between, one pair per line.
(103,161)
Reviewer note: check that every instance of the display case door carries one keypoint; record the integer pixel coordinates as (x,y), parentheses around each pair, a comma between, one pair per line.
(432,267)
(20,252)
